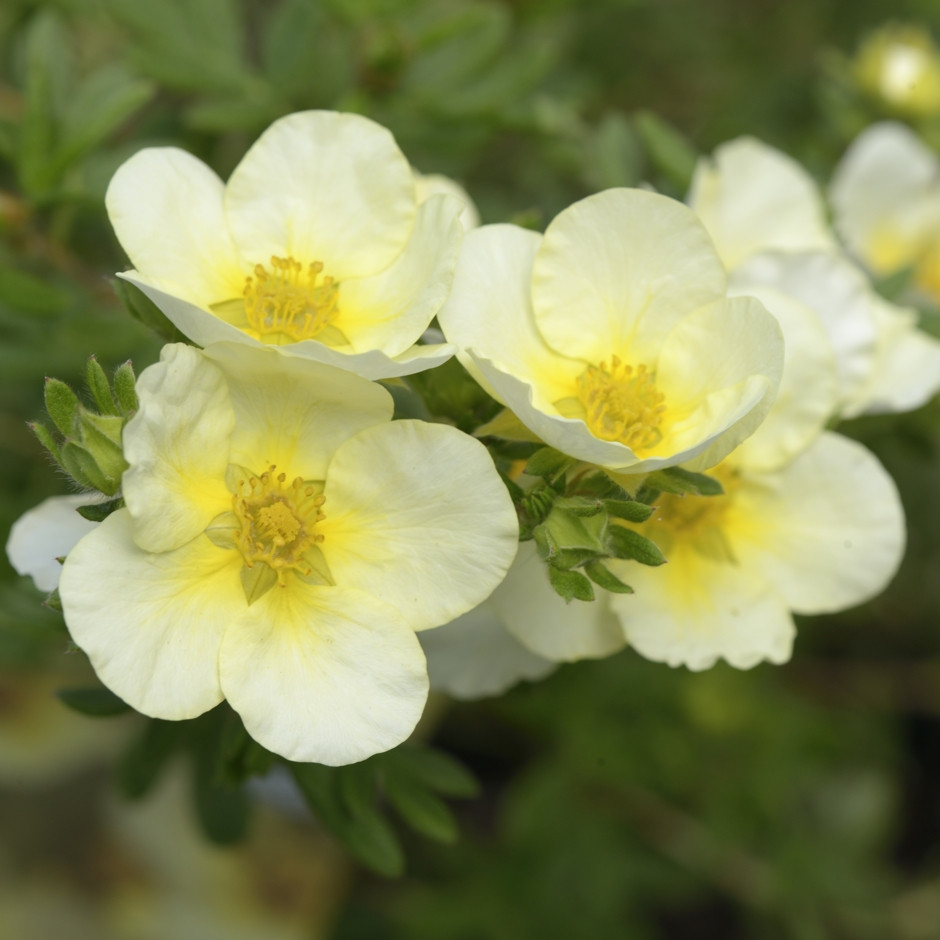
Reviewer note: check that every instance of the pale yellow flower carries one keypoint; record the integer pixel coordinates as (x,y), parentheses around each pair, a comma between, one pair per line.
(282,543)
(318,244)
(611,337)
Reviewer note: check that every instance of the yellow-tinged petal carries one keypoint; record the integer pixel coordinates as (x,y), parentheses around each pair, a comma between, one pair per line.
(489,312)
(323,186)
(616,271)
(416,516)
(886,195)
(152,624)
(753,198)
(541,621)
(323,674)
(807,396)
(475,656)
(389,311)
(428,185)
(696,610)
(44,534)
(166,207)
(177,446)
(827,530)
(293,413)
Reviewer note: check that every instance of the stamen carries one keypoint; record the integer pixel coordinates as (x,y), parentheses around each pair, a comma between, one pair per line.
(289,301)
(622,404)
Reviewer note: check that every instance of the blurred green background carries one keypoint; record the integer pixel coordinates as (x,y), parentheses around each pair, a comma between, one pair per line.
(619,798)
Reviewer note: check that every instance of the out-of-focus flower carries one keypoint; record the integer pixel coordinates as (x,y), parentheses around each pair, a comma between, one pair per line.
(611,337)
(316,245)
(883,361)
(282,543)
(898,66)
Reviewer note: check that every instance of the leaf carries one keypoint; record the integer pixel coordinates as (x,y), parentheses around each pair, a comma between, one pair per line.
(81,465)
(547,463)
(222,808)
(683,482)
(125,388)
(625,543)
(44,436)
(423,811)
(373,841)
(97,702)
(99,387)
(98,512)
(604,578)
(668,150)
(146,311)
(147,756)
(27,294)
(579,505)
(629,509)
(438,771)
(571,585)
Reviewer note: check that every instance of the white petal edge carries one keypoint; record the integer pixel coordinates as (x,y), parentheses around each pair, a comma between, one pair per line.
(44,534)
(475,657)
(531,611)
(431,184)
(152,624)
(323,674)
(417,515)
(177,446)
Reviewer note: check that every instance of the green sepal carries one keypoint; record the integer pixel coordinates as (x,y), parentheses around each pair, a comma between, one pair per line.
(683,482)
(222,807)
(125,388)
(578,531)
(422,810)
(97,702)
(62,406)
(44,436)
(82,466)
(547,463)
(604,578)
(537,503)
(629,509)
(106,452)
(579,505)
(54,601)
(99,387)
(257,581)
(142,308)
(601,486)
(625,543)
(98,512)
(571,585)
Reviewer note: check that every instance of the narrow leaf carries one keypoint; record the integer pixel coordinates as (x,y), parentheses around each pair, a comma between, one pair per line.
(62,406)
(629,509)
(423,811)
(96,702)
(604,578)
(571,585)
(99,387)
(125,388)
(439,771)
(547,463)
(625,543)
(98,512)
(683,482)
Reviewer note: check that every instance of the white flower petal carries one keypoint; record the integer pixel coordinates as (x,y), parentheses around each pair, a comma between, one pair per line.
(540,620)
(839,294)
(807,395)
(906,371)
(416,515)
(177,446)
(431,184)
(291,412)
(152,624)
(827,530)
(694,611)
(489,311)
(475,656)
(330,675)
(166,207)
(616,271)
(323,186)
(389,311)
(754,198)
(44,534)
(886,196)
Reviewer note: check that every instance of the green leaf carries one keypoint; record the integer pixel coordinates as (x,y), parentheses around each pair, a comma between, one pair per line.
(547,463)
(125,388)
(614,156)
(625,543)
(44,436)
(668,150)
(98,512)
(683,482)
(579,505)
(357,787)
(221,807)
(438,771)
(571,585)
(604,578)
(578,531)
(99,387)
(62,406)
(147,756)
(423,811)
(97,702)
(629,509)
(25,293)
(80,464)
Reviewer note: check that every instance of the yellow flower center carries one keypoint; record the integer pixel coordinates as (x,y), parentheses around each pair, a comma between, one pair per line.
(276,522)
(927,273)
(289,300)
(622,403)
